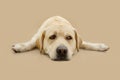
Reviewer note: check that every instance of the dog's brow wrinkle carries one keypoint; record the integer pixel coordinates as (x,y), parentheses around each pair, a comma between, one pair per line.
(56,19)
(61,25)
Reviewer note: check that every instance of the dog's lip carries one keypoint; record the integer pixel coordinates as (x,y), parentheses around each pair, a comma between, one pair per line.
(61,59)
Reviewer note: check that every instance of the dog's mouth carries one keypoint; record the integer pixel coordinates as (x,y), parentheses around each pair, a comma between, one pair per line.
(58,58)
(61,59)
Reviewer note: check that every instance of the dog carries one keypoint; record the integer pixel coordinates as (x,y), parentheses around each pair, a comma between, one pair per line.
(58,39)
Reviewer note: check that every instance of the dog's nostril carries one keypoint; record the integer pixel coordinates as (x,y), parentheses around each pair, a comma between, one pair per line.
(65,51)
(59,51)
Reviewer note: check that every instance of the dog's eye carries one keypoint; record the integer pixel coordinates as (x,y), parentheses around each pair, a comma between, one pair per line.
(52,37)
(69,37)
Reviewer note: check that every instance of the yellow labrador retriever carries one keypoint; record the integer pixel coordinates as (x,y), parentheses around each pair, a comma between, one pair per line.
(59,39)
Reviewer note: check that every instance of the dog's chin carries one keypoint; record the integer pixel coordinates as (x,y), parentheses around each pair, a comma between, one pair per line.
(54,57)
(58,59)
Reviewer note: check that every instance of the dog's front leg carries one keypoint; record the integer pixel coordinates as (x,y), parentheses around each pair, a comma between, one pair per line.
(22,47)
(94,46)
(26,46)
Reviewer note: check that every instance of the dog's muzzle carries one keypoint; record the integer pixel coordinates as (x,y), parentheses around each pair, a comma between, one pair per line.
(61,53)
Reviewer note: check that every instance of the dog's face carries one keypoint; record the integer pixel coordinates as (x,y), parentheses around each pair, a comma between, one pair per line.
(59,42)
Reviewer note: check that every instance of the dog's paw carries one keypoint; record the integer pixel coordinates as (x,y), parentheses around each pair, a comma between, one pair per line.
(17,48)
(102,47)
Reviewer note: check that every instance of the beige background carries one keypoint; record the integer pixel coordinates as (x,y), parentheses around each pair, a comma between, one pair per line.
(96,21)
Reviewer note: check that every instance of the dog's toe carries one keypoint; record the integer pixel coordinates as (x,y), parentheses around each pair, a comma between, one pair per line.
(14,48)
(13,45)
(103,47)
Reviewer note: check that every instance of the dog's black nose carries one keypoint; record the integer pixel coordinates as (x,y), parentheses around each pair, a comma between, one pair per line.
(61,52)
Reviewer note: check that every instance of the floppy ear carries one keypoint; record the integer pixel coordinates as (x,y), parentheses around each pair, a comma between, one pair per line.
(40,42)
(78,40)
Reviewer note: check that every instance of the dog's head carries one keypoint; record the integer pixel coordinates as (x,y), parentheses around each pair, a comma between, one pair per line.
(59,42)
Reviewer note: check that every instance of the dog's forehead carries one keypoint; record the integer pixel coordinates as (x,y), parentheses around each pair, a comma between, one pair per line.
(60,30)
